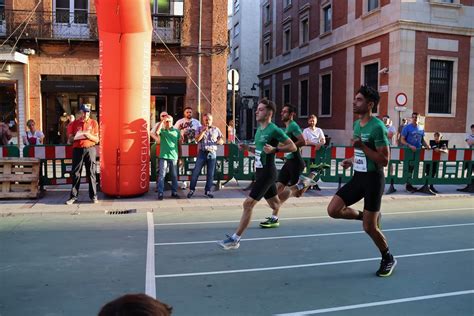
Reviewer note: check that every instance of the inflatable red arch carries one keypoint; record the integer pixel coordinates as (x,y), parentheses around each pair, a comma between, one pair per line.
(125,59)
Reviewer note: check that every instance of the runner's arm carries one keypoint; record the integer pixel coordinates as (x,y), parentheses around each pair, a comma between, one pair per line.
(380,156)
(287,147)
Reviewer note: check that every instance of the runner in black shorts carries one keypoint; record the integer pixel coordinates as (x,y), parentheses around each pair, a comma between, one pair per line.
(269,139)
(370,156)
(293,167)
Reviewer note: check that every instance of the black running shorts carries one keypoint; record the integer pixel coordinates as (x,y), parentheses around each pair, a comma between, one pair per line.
(290,172)
(264,185)
(364,185)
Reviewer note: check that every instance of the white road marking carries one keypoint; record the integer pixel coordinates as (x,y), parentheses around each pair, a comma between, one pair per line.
(380,303)
(150,282)
(313,217)
(299,266)
(312,235)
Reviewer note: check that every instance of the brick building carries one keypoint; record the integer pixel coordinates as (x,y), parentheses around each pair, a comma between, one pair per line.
(315,54)
(50,60)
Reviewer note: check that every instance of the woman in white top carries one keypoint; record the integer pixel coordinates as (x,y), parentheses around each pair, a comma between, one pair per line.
(314,136)
(33,137)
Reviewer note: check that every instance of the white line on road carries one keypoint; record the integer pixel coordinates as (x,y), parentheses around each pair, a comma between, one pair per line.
(298,266)
(313,217)
(401,300)
(312,235)
(150,282)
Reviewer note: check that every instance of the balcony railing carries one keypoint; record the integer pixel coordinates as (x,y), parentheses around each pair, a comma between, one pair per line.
(78,25)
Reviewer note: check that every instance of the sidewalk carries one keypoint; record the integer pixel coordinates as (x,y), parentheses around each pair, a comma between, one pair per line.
(229,197)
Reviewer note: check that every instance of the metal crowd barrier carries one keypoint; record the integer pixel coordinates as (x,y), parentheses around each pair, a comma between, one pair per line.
(423,167)
(56,163)
(9,151)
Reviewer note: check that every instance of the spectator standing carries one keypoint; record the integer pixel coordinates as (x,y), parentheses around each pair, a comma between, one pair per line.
(470,143)
(5,134)
(391,130)
(231,132)
(83,133)
(63,124)
(33,136)
(438,146)
(169,138)
(314,136)
(208,137)
(413,137)
(399,131)
(188,126)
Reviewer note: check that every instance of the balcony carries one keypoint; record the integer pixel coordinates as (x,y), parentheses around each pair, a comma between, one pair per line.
(79,25)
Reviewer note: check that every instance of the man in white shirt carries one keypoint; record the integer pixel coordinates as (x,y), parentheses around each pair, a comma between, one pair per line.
(188,126)
(314,136)
(391,130)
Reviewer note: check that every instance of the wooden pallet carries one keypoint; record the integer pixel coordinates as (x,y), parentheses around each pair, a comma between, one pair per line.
(19,177)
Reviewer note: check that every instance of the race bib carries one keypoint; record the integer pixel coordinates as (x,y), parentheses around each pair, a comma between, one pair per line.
(360,161)
(258,161)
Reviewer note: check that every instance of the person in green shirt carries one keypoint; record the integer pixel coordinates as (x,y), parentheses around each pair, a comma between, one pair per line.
(168,137)
(269,139)
(294,165)
(371,154)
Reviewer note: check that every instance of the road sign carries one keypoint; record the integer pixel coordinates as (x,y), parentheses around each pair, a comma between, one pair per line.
(233,76)
(400,108)
(236,87)
(401,99)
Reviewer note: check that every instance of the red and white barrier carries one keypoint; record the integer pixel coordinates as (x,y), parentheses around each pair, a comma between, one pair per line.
(451,155)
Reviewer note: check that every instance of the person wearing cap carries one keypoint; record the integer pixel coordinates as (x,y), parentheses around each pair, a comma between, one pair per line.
(83,133)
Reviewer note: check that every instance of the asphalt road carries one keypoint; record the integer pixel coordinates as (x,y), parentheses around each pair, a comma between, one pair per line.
(73,264)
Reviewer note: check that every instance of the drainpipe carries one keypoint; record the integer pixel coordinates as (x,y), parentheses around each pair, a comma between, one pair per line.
(199,60)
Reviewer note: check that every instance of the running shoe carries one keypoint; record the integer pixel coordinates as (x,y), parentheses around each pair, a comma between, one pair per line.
(386,267)
(229,243)
(209,194)
(304,182)
(190,194)
(270,223)
(320,167)
(71,201)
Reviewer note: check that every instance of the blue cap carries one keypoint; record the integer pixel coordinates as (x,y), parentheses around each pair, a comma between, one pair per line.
(85,107)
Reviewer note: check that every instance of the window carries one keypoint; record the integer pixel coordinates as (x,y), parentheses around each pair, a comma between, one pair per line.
(266,50)
(266,93)
(304,30)
(327,18)
(160,6)
(286,3)
(72,11)
(287,38)
(236,53)
(304,98)
(236,29)
(2,17)
(440,86)
(236,5)
(325,95)
(371,78)
(286,93)
(267,13)
(372,5)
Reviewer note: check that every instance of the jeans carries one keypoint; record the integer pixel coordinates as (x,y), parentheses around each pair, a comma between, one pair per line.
(208,158)
(80,157)
(163,166)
